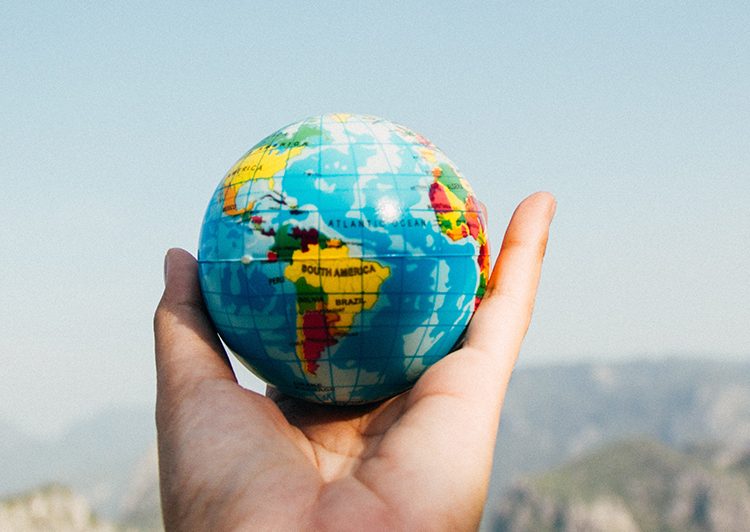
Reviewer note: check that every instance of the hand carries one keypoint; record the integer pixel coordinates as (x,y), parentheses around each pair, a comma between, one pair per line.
(230,458)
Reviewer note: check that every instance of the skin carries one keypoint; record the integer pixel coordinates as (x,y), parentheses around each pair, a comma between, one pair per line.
(230,458)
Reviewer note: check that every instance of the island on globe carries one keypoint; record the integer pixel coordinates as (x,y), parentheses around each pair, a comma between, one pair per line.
(341,257)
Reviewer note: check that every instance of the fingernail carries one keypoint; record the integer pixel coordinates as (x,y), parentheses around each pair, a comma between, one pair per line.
(166,267)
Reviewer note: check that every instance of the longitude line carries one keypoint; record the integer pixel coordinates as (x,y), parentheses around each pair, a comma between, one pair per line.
(354,174)
(285,295)
(412,147)
(320,277)
(381,146)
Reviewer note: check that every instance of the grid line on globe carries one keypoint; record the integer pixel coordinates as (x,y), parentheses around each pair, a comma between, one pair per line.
(361,284)
(341,257)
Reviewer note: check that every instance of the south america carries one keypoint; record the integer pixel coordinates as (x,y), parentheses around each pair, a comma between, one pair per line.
(332,290)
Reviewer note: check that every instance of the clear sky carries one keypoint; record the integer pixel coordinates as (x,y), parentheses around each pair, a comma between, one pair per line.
(117,123)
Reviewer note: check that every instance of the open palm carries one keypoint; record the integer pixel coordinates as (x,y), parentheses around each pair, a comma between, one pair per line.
(230,458)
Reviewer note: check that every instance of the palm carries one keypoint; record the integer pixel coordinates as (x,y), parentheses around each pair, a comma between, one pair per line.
(231,457)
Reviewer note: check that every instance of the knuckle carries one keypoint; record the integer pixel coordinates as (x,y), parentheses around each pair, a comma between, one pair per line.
(161,315)
(518,304)
(541,246)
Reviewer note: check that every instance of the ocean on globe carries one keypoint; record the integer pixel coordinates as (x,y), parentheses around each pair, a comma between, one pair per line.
(341,257)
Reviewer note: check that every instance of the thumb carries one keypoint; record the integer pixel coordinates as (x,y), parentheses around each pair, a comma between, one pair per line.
(187,347)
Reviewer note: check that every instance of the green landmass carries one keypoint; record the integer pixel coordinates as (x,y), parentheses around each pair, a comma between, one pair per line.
(306,132)
(308,296)
(452,182)
(286,242)
(482,288)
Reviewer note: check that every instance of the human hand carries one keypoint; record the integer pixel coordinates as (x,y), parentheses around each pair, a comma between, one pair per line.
(230,458)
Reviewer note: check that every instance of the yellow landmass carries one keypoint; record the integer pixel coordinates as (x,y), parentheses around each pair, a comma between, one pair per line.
(457,228)
(264,162)
(429,155)
(456,232)
(352,284)
(341,117)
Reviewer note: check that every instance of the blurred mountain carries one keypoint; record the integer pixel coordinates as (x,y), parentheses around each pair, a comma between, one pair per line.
(13,440)
(52,508)
(629,487)
(552,414)
(140,506)
(96,457)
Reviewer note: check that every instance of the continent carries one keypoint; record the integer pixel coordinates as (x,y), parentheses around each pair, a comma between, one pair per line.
(266,160)
(458,216)
(313,325)
(332,289)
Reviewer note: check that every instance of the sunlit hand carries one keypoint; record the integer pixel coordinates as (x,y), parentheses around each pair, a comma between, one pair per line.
(230,458)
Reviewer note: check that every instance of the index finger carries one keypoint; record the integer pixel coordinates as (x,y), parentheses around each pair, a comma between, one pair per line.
(481,368)
(501,321)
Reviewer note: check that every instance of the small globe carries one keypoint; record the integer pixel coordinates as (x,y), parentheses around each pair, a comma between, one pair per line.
(341,257)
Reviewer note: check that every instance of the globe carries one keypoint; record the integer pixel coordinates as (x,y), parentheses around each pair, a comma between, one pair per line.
(342,256)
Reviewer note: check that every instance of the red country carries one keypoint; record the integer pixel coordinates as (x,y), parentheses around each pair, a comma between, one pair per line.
(316,337)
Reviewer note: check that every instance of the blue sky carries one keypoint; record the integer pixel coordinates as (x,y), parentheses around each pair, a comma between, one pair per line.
(117,122)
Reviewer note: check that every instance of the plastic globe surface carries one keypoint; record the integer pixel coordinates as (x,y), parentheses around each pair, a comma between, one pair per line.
(341,257)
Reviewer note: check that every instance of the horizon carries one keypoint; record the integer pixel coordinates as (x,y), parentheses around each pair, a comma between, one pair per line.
(250,381)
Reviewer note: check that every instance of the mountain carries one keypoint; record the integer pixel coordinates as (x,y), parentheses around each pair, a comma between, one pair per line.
(140,506)
(13,439)
(52,508)
(552,414)
(95,456)
(632,486)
